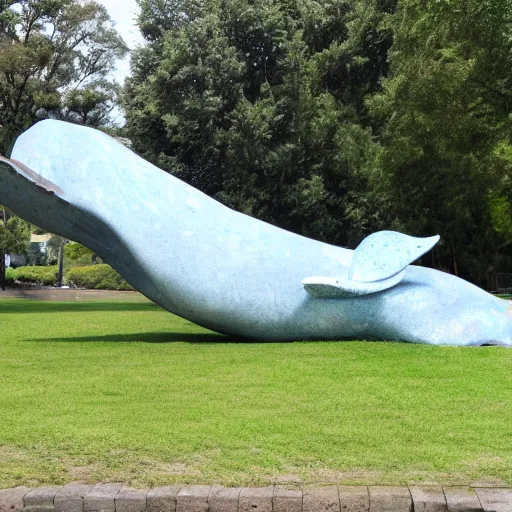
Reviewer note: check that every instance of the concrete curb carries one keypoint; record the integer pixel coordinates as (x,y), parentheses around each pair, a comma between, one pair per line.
(113,497)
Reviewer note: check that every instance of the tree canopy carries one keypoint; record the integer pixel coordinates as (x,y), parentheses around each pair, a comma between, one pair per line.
(447,139)
(260,104)
(55,59)
(334,119)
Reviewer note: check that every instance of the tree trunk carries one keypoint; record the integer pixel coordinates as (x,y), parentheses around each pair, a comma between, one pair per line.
(455,265)
(2,271)
(61,264)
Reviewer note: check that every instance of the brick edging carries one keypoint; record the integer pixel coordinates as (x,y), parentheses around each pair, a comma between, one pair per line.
(112,497)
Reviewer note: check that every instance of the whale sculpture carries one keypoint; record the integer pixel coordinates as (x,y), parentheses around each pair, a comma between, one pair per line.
(227,271)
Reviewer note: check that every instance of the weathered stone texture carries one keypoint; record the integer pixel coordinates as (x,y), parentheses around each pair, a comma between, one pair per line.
(354,498)
(495,500)
(224,499)
(71,497)
(131,500)
(287,500)
(193,498)
(256,500)
(101,498)
(162,499)
(41,499)
(428,499)
(321,499)
(12,499)
(390,499)
(462,499)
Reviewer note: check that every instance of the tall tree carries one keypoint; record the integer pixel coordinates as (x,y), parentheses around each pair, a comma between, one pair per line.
(52,51)
(447,112)
(234,97)
(14,238)
(55,58)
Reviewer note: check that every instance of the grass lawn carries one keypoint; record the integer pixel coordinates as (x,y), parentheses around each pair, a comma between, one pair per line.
(121,390)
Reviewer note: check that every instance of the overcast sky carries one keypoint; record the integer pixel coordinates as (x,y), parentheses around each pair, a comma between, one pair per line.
(124,12)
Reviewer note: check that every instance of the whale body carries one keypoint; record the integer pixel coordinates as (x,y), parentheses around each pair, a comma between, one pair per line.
(230,272)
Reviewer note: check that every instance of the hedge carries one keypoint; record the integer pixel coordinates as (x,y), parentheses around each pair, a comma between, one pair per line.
(95,277)
(9,277)
(46,276)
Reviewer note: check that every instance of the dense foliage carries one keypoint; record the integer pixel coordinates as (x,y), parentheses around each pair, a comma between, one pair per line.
(260,104)
(448,126)
(93,277)
(55,60)
(14,237)
(55,56)
(41,275)
(332,119)
(96,277)
(337,118)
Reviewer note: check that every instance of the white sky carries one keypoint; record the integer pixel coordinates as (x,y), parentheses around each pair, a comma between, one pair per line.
(124,12)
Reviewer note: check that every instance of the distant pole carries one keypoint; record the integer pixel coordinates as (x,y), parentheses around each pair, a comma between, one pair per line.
(2,270)
(61,262)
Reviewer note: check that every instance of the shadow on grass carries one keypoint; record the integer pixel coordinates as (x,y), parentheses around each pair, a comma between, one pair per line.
(152,337)
(73,307)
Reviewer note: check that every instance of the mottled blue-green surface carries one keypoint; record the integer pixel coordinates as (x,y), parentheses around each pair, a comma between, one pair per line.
(230,272)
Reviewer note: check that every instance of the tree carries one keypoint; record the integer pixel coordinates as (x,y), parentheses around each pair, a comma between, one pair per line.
(54,55)
(14,238)
(90,106)
(237,99)
(447,114)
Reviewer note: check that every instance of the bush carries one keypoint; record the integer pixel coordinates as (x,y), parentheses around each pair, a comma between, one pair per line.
(96,277)
(46,276)
(9,278)
(80,255)
(93,277)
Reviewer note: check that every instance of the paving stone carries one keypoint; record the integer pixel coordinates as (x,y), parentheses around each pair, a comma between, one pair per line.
(71,498)
(390,499)
(12,499)
(162,499)
(131,500)
(193,498)
(354,498)
(224,499)
(287,500)
(462,499)
(256,499)
(41,499)
(320,499)
(101,498)
(495,500)
(428,498)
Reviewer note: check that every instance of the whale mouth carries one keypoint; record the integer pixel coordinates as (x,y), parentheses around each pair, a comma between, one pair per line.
(32,175)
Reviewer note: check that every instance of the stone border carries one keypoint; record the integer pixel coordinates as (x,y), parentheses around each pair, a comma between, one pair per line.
(112,497)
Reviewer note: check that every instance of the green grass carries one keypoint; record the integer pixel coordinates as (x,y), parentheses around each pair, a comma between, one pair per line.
(123,391)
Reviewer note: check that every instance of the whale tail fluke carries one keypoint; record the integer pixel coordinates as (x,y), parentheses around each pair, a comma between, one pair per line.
(379,263)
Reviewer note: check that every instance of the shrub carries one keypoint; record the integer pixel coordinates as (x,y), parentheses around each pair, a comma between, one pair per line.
(79,255)
(96,277)
(9,277)
(46,276)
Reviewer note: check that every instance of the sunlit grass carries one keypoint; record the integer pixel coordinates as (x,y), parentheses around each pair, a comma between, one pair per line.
(124,391)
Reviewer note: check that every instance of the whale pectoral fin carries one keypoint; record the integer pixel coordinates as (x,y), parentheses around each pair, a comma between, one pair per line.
(385,253)
(337,288)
